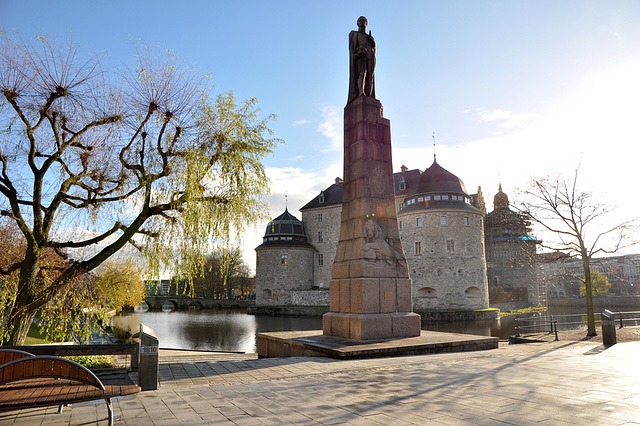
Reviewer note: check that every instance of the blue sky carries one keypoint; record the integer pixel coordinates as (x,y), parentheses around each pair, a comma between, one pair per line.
(512,89)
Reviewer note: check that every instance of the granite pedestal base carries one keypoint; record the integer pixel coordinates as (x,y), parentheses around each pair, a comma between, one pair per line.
(371,326)
(313,343)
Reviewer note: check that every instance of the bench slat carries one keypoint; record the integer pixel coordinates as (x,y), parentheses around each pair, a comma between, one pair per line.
(54,395)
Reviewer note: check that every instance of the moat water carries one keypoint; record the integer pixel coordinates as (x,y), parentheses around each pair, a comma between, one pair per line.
(235,331)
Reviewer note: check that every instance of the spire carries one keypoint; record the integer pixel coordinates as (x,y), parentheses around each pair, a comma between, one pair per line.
(434,146)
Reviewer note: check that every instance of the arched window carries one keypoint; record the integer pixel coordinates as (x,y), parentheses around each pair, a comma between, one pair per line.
(427,292)
(403,184)
(472,292)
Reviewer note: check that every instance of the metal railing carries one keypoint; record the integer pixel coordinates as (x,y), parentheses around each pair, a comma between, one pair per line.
(631,317)
(552,323)
(543,324)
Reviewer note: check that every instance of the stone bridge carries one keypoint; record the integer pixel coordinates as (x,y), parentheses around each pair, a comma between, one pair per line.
(181,302)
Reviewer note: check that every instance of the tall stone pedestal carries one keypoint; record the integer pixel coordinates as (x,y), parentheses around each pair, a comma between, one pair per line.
(370,288)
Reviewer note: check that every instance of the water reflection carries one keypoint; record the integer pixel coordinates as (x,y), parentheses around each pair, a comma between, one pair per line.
(228,331)
(235,331)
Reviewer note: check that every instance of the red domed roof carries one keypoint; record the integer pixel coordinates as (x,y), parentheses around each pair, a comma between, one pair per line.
(500,200)
(437,179)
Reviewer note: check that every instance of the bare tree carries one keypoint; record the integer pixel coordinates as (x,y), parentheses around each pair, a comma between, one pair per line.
(140,157)
(224,272)
(579,223)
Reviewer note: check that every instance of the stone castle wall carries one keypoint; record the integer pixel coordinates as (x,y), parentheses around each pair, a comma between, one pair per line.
(325,220)
(310,297)
(448,269)
(277,279)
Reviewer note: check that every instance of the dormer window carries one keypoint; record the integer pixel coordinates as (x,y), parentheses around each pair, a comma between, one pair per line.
(403,184)
(321,197)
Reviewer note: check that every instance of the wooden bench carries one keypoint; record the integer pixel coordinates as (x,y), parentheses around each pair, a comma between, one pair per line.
(43,381)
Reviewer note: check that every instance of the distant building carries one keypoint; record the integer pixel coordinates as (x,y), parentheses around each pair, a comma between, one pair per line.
(159,287)
(562,275)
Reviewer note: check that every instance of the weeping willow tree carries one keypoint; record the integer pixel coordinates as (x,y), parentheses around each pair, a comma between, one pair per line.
(95,161)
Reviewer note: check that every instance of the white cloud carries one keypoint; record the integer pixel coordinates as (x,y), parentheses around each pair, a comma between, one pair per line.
(508,119)
(301,122)
(331,127)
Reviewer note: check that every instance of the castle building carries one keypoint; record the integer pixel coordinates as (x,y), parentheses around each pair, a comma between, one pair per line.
(443,238)
(440,227)
(511,256)
(284,263)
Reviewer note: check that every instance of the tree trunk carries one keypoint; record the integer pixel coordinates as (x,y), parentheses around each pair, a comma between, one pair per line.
(591,322)
(18,322)
(20,316)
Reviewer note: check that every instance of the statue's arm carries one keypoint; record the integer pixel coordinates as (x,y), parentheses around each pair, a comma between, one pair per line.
(353,40)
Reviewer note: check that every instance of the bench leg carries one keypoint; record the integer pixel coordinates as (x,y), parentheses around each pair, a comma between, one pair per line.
(110,408)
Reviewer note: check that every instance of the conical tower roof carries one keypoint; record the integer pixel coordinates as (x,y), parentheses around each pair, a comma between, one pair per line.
(285,229)
(285,225)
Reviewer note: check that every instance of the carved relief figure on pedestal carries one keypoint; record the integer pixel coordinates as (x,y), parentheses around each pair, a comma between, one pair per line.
(379,249)
(362,62)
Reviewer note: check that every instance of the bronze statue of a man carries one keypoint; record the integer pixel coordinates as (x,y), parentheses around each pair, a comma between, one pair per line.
(362,62)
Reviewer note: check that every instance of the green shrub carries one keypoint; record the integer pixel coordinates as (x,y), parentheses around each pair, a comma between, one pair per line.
(95,361)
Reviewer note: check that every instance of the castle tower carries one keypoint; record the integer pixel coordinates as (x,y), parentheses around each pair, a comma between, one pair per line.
(443,236)
(284,261)
(511,255)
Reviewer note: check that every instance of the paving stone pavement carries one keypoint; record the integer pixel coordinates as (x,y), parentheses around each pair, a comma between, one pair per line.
(557,383)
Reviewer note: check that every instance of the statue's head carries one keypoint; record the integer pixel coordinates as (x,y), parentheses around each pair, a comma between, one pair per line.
(372,229)
(362,22)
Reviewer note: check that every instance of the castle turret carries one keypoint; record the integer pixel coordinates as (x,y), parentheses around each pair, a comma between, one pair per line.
(284,261)
(442,234)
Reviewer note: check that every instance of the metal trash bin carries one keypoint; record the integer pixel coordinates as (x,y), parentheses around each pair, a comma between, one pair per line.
(608,328)
(148,363)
